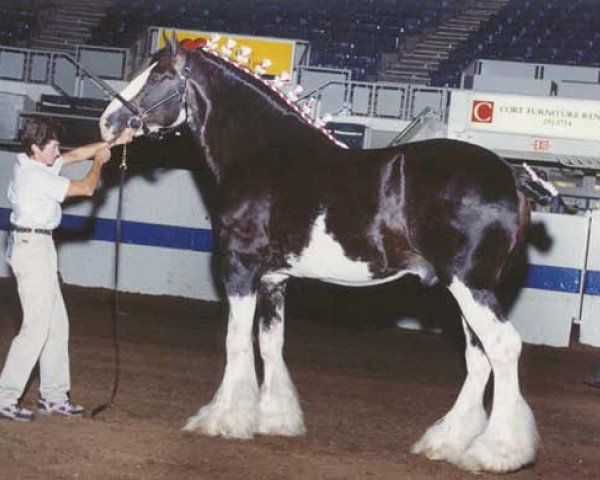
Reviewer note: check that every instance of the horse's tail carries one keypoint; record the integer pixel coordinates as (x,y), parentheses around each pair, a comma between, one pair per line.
(519,246)
(536,187)
(514,272)
(530,187)
(524,218)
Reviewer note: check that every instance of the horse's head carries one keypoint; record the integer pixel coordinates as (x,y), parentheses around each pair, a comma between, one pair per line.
(155,99)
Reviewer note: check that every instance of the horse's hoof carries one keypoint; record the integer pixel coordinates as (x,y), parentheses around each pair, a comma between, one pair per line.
(215,420)
(441,451)
(283,423)
(491,455)
(449,437)
(280,413)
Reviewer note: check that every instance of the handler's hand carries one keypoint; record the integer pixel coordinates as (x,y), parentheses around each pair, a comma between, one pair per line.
(102,156)
(126,136)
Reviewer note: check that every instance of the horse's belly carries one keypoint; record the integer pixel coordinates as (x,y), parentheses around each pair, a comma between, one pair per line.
(324,259)
(329,265)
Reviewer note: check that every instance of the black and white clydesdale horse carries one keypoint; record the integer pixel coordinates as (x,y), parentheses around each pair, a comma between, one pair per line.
(290,202)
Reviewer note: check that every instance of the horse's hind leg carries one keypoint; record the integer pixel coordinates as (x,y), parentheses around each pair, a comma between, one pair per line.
(233,410)
(510,439)
(279,411)
(449,437)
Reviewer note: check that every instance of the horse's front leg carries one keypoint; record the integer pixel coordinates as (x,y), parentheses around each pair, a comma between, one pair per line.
(279,411)
(232,412)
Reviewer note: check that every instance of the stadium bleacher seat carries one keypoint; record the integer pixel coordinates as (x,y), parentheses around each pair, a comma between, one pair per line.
(541,31)
(343,33)
(18,18)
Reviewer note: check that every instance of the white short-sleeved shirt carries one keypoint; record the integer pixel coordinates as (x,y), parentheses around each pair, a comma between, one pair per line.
(36,192)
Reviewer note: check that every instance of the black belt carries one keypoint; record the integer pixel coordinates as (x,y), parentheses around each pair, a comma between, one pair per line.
(44,231)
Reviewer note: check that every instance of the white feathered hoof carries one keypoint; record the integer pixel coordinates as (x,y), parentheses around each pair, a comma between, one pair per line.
(494,455)
(505,446)
(216,419)
(279,411)
(275,419)
(449,437)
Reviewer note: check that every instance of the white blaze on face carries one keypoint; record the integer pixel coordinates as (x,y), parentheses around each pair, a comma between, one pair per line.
(129,92)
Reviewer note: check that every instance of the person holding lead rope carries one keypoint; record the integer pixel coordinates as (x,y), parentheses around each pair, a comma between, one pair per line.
(35,193)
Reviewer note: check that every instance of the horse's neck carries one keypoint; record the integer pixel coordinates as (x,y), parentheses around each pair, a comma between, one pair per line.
(240,122)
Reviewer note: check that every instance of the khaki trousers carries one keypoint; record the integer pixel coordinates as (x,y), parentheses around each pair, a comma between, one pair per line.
(44,333)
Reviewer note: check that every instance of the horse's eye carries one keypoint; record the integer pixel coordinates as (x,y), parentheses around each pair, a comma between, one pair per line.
(154,78)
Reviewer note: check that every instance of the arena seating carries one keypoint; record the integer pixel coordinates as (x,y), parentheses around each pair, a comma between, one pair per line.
(17,19)
(543,31)
(351,34)
(343,33)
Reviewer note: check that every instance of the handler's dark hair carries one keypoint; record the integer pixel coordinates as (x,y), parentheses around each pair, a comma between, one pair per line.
(39,131)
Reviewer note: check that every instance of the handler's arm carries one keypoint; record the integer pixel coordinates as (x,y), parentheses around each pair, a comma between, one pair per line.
(88,151)
(83,153)
(87,185)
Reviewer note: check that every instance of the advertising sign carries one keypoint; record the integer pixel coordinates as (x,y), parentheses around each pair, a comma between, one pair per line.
(279,51)
(538,116)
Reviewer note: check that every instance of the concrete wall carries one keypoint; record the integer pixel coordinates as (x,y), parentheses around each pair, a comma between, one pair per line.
(546,307)
(590,309)
(166,231)
(11,105)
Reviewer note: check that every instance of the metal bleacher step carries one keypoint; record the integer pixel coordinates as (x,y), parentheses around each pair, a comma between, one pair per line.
(409,70)
(70,23)
(445,32)
(87,3)
(426,62)
(406,78)
(464,23)
(437,42)
(94,14)
(74,20)
(54,47)
(431,52)
(58,38)
(452,35)
(424,57)
(419,61)
(456,28)
(70,27)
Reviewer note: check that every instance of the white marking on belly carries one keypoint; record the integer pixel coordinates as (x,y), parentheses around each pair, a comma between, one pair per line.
(324,259)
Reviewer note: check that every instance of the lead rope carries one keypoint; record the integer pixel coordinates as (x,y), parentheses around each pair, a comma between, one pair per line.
(116,312)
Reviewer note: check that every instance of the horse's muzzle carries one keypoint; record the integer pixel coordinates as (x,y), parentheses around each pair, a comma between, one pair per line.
(135,122)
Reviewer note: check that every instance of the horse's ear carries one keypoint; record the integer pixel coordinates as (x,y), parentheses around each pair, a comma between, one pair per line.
(171,43)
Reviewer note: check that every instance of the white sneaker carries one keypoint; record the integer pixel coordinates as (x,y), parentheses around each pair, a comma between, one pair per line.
(65,408)
(16,413)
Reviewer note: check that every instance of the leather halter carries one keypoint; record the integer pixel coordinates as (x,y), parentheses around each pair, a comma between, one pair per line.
(137,120)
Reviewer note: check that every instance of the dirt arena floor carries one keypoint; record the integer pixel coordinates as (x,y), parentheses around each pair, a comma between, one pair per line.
(368,391)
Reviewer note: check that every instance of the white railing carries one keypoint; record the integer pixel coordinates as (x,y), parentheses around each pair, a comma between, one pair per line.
(67,74)
(379,100)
